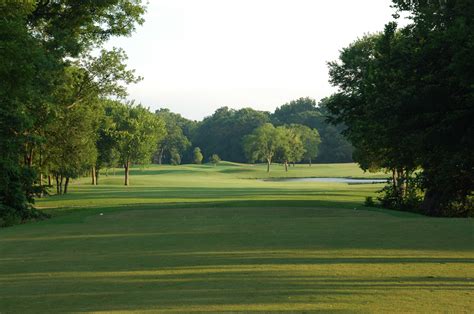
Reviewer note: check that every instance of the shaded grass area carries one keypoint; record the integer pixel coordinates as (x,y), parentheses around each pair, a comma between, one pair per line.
(205,239)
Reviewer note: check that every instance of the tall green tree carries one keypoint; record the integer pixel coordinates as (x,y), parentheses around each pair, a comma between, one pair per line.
(310,139)
(291,149)
(264,143)
(136,132)
(406,99)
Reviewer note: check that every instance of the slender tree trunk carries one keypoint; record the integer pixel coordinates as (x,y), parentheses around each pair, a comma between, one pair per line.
(97,176)
(286,166)
(269,161)
(66,184)
(394,179)
(61,185)
(93,176)
(160,156)
(406,183)
(41,179)
(57,185)
(310,162)
(49,180)
(29,156)
(401,183)
(106,172)
(127,167)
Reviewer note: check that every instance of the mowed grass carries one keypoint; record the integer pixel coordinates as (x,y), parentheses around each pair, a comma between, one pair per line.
(217,239)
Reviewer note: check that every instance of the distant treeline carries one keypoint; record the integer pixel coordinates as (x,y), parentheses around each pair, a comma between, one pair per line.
(223,132)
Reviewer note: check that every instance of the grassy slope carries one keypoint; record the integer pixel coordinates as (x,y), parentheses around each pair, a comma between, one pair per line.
(201,238)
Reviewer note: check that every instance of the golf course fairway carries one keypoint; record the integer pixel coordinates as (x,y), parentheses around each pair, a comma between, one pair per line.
(203,238)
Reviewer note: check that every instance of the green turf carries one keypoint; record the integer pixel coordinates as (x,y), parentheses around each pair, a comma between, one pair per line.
(204,238)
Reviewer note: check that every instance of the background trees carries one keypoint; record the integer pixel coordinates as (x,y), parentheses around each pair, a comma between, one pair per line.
(176,142)
(334,147)
(222,133)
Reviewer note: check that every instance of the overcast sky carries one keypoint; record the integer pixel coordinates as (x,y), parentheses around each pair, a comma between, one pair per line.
(199,55)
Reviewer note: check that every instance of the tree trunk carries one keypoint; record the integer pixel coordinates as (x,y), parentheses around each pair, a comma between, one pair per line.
(310,162)
(394,179)
(49,180)
(66,184)
(29,156)
(41,184)
(127,167)
(57,185)
(431,203)
(160,156)
(286,166)
(61,185)
(401,183)
(94,178)
(269,161)
(97,176)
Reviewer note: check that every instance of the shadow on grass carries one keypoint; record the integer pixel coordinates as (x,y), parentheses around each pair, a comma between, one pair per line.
(217,288)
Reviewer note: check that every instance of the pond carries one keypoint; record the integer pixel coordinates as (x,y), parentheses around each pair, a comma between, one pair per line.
(329,180)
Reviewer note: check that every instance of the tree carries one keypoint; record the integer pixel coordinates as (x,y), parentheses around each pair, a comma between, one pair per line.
(70,148)
(136,132)
(107,155)
(214,159)
(263,144)
(406,99)
(198,156)
(310,140)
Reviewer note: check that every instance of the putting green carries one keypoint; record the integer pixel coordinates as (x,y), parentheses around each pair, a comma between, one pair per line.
(204,238)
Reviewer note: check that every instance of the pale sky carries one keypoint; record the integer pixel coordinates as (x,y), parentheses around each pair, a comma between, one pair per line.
(199,55)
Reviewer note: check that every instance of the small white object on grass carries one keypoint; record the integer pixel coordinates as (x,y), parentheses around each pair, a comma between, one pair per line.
(102,214)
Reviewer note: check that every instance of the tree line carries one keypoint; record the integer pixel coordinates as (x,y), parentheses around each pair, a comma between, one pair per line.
(223,133)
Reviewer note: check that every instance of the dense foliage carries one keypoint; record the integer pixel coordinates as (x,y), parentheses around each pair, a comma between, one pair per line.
(50,89)
(407,98)
(334,147)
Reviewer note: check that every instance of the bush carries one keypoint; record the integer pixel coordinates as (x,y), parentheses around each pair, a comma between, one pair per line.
(214,159)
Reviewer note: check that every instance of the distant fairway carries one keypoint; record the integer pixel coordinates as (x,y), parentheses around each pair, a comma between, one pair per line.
(204,238)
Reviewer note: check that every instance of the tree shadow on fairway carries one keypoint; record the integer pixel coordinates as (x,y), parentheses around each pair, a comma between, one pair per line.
(217,288)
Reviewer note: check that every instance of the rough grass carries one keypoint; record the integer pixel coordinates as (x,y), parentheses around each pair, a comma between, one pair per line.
(205,238)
